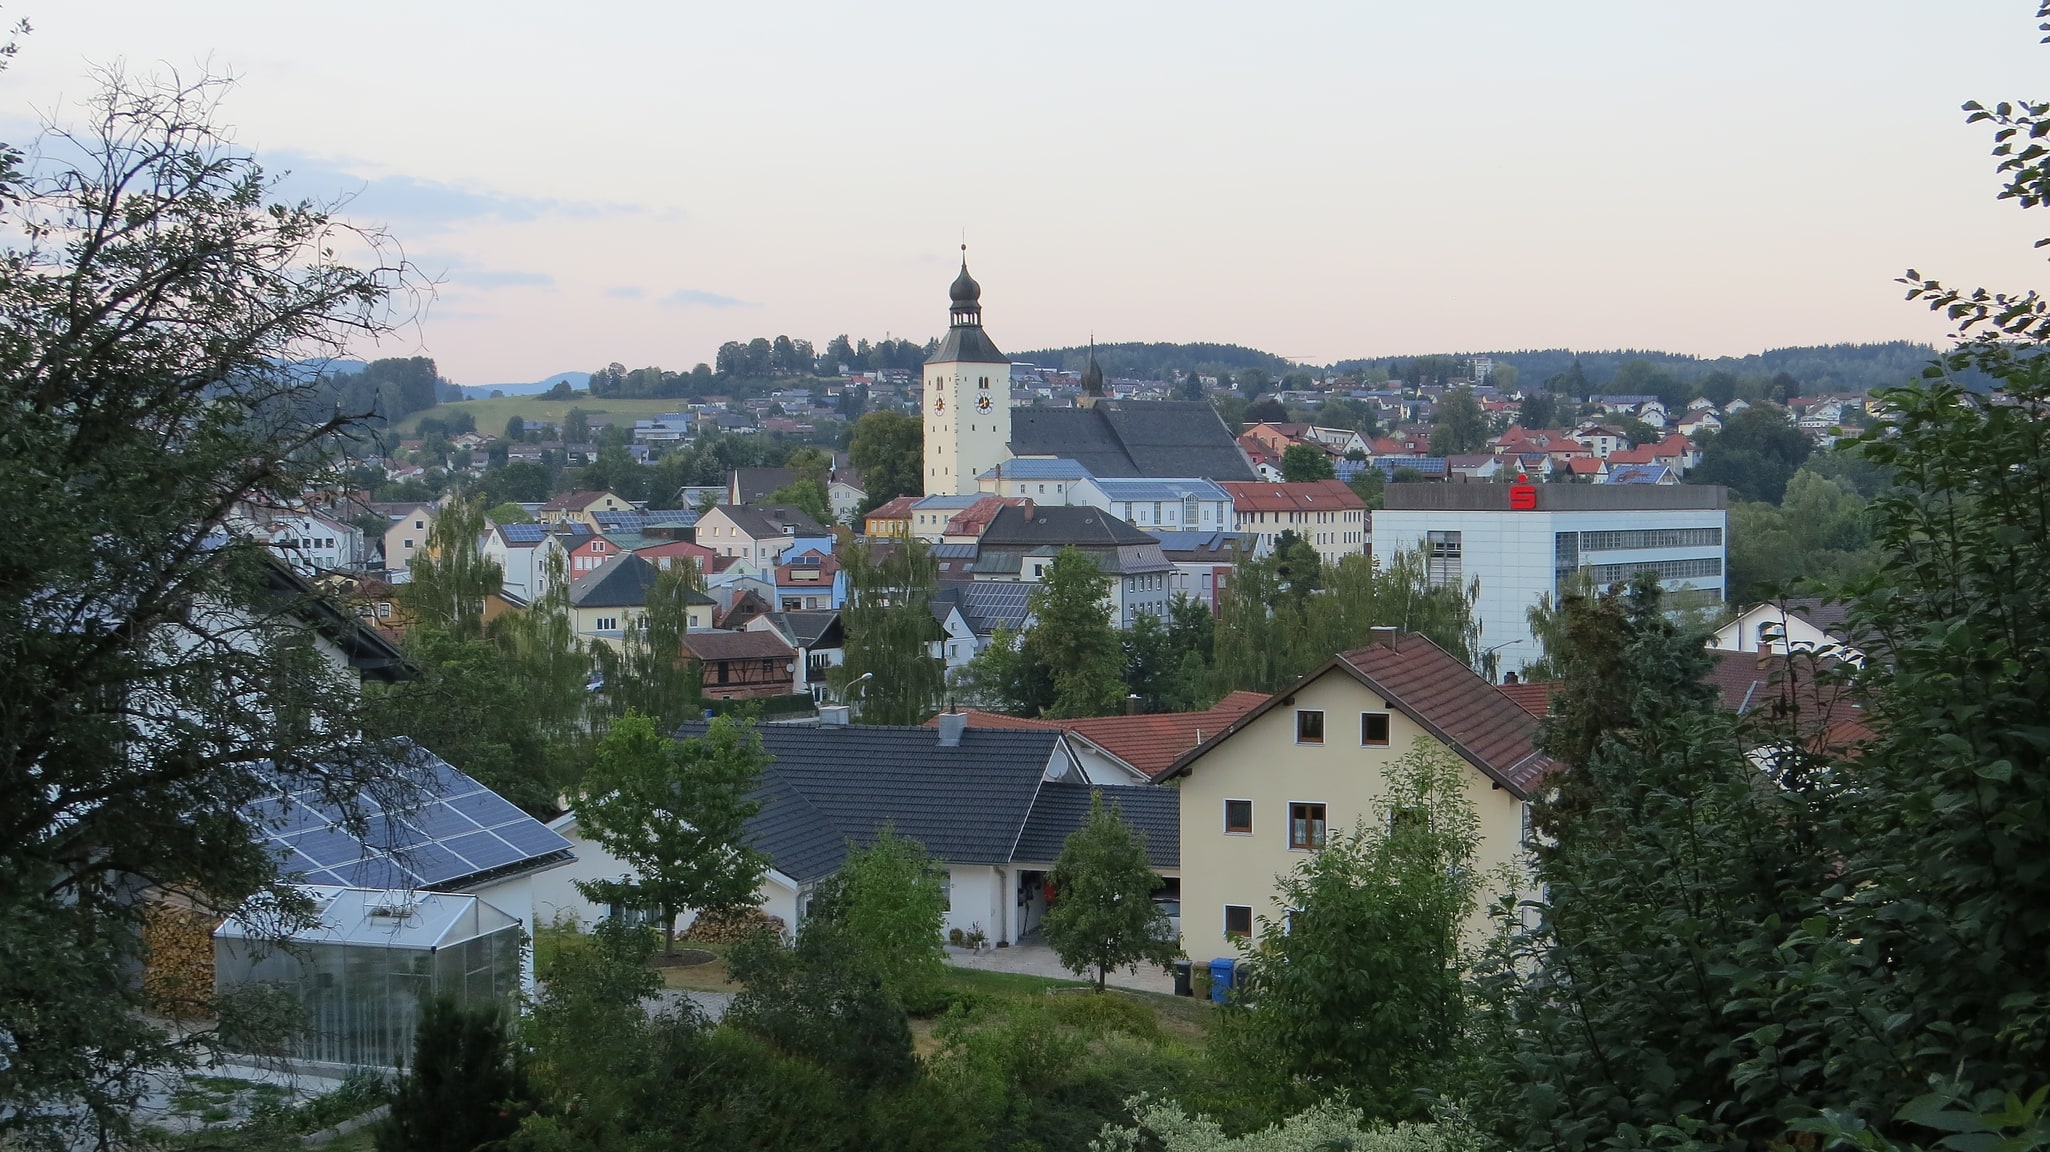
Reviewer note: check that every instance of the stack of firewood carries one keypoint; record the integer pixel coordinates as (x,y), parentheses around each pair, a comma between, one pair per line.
(731,927)
(178,961)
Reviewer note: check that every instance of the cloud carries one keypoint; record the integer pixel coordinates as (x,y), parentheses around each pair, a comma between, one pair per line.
(454,273)
(693,298)
(625,292)
(418,203)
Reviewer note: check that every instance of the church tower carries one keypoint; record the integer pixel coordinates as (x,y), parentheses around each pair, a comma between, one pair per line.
(967,397)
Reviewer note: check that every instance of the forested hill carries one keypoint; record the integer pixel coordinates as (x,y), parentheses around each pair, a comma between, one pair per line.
(1817,368)
(1158,361)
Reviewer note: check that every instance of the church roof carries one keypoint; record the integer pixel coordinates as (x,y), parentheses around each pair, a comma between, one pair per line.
(968,344)
(1132,438)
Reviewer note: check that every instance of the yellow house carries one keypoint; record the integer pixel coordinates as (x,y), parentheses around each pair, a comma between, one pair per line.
(604,601)
(1262,796)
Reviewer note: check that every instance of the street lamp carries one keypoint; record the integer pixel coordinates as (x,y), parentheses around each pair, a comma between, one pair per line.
(853,684)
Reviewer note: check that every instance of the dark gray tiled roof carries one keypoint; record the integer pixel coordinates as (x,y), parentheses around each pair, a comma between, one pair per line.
(1057,526)
(985,605)
(1124,438)
(621,582)
(969,344)
(1155,813)
(829,784)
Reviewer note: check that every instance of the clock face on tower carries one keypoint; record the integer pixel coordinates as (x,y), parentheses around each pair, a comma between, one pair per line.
(983,403)
(939,405)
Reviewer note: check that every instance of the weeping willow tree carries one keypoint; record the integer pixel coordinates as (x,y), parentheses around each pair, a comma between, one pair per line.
(647,672)
(890,632)
(451,577)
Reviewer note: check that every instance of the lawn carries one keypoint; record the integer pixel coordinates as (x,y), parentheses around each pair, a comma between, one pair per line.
(491,415)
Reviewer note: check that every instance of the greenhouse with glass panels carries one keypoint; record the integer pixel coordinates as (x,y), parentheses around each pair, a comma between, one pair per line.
(360,977)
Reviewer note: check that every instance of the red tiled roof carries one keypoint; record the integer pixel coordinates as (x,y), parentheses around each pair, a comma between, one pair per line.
(1149,742)
(898,508)
(1756,683)
(1305,496)
(736,646)
(573,501)
(1533,696)
(1455,704)
(1476,718)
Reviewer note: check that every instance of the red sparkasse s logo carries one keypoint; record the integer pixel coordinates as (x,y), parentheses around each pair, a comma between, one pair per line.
(1523,495)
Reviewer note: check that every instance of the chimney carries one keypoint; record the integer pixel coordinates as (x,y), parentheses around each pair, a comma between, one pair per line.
(1131,704)
(833,715)
(1509,678)
(1382,635)
(952,724)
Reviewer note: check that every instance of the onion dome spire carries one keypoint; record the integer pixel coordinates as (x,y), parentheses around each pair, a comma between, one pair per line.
(966,295)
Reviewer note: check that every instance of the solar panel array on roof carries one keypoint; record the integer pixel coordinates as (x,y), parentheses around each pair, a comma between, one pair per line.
(456,830)
(522,533)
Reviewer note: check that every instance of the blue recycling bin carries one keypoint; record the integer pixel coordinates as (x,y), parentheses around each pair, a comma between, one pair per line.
(1221,973)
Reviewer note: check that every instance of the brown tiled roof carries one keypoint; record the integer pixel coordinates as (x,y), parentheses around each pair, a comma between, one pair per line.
(573,501)
(1149,742)
(736,645)
(1471,715)
(1533,696)
(1303,496)
(1755,684)
(1474,718)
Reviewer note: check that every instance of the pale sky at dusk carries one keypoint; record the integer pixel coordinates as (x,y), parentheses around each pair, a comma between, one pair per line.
(638,182)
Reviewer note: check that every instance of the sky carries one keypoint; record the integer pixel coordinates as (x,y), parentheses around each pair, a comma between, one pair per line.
(638,182)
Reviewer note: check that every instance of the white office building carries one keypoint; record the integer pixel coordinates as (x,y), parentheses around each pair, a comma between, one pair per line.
(1613,532)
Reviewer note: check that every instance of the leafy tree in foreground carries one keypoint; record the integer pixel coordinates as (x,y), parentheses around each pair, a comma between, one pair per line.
(450,576)
(153,300)
(1103,915)
(675,812)
(890,632)
(1072,637)
(887,905)
(465,1089)
(1360,990)
(647,672)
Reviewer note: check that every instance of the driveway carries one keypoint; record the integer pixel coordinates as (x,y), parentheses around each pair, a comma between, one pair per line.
(1035,959)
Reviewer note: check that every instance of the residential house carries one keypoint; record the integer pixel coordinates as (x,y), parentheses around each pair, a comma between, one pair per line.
(1133,749)
(1042,480)
(1697,422)
(1021,543)
(1802,624)
(1601,439)
(667,553)
(1203,562)
(310,542)
(845,495)
(527,553)
(410,524)
(577,508)
(968,525)
(754,485)
(1328,515)
(812,580)
(991,807)
(819,639)
(1170,505)
(1312,761)
(758,533)
(745,665)
(984,609)
(604,601)
(931,515)
(589,553)
(891,520)
(1640,474)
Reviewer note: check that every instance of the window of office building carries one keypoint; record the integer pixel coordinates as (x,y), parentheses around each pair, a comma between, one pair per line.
(1444,565)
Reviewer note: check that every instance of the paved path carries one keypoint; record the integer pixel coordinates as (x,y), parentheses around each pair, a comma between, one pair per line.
(1038,960)
(712,1005)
